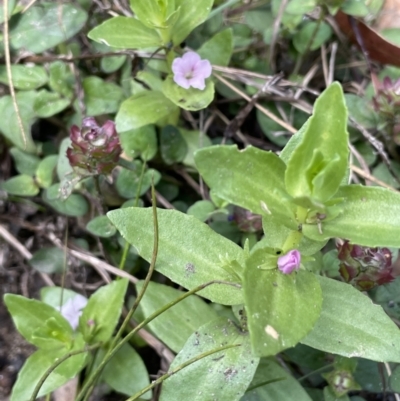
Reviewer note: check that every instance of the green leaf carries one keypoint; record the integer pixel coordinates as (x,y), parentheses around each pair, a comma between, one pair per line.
(278,384)
(222,376)
(9,125)
(62,79)
(143,140)
(63,166)
(314,32)
(395,380)
(352,326)
(37,365)
(126,372)
(218,50)
(125,33)
(189,252)
(201,209)
(101,226)
(29,315)
(127,183)
(74,205)
(103,309)
(319,163)
(192,13)
(189,99)
(281,308)
(25,77)
(151,13)
(177,324)
(48,260)
(101,97)
(250,178)
(21,185)
(48,104)
(195,140)
(143,109)
(25,163)
(370,216)
(45,171)
(58,23)
(173,147)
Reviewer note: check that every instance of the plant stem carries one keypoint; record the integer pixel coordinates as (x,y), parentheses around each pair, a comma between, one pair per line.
(58,362)
(141,325)
(177,369)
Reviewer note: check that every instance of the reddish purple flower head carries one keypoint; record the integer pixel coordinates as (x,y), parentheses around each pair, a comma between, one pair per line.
(94,149)
(190,70)
(289,262)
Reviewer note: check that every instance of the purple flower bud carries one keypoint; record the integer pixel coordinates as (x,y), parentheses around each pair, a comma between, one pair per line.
(94,149)
(289,262)
(189,70)
(72,309)
(364,267)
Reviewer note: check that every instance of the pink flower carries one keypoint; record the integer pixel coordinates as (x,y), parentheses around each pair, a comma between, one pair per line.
(190,70)
(289,262)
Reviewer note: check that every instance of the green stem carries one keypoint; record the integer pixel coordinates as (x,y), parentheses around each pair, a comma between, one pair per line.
(58,362)
(178,368)
(292,241)
(141,325)
(316,371)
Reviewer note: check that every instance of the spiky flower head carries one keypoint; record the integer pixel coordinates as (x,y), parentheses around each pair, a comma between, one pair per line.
(95,149)
(364,267)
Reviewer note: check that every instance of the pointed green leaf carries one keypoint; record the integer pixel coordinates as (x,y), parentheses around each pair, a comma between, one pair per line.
(125,33)
(9,125)
(101,226)
(281,308)
(25,163)
(192,13)
(103,311)
(352,326)
(189,252)
(370,216)
(49,103)
(222,376)
(280,385)
(45,171)
(173,147)
(37,365)
(126,372)
(101,97)
(21,185)
(25,77)
(150,12)
(319,163)
(58,23)
(175,325)
(30,315)
(218,50)
(250,178)
(142,109)
(189,99)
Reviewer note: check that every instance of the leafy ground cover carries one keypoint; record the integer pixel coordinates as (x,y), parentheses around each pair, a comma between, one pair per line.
(199,200)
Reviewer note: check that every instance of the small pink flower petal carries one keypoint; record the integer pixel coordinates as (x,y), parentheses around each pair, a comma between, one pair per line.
(182,81)
(289,262)
(204,68)
(191,58)
(178,67)
(197,83)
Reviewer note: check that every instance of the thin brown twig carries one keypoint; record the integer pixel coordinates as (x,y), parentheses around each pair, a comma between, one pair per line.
(370,177)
